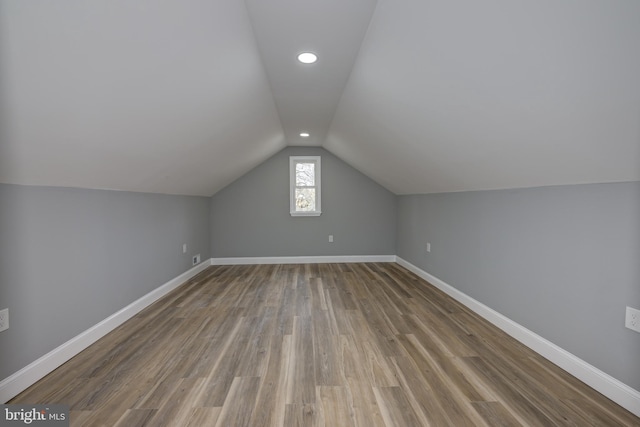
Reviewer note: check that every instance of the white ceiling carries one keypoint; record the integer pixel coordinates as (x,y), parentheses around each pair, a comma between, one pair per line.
(470,95)
(144,95)
(183,97)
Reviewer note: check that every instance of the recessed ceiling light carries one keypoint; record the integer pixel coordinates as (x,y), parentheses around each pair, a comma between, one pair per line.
(304,134)
(307,57)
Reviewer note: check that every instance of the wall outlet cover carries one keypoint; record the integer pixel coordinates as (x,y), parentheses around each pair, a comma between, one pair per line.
(4,319)
(632,319)
(196,259)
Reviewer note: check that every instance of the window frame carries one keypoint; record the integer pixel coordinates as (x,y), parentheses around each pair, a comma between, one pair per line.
(293,161)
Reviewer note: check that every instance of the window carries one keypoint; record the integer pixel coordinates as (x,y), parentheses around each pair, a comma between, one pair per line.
(304,178)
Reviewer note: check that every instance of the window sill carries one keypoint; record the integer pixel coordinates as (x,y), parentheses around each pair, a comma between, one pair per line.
(305,213)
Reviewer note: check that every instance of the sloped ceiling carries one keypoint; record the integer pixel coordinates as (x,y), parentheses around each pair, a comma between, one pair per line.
(471,95)
(145,95)
(183,97)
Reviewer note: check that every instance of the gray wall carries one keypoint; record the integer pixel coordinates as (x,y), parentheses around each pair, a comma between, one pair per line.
(69,258)
(561,261)
(250,217)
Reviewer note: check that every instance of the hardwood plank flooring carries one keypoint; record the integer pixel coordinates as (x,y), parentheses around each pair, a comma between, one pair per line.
(316,345)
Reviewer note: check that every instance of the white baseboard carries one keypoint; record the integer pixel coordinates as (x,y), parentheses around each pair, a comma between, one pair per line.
(303,259)
(30,374)
(614,389)
(604,383)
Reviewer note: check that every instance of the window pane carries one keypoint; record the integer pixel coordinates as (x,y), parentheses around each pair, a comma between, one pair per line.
(305,174)
(305,199)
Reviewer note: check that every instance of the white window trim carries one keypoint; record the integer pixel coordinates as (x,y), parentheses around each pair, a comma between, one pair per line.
(292,184)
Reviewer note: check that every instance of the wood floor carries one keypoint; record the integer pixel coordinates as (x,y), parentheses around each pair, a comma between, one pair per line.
(313,345)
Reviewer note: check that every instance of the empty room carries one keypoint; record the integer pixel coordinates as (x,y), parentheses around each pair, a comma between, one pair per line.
(320,213)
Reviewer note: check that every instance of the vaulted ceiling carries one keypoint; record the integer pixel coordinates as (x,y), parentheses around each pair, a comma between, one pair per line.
(183,97)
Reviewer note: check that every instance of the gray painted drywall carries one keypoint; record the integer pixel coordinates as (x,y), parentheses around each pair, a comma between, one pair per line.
(70,258)
(561,261)
(250,217)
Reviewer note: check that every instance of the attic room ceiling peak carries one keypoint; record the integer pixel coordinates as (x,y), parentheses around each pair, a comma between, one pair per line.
(307,94)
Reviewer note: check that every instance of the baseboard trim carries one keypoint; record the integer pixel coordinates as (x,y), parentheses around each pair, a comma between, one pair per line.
(612,388)
(604,383)
(303,259)
(30,374)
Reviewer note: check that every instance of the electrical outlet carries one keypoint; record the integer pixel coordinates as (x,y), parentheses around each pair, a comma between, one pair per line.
(184,248)
(196,259)
(330,238)
(428,247)
(632,319)
(4,319)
